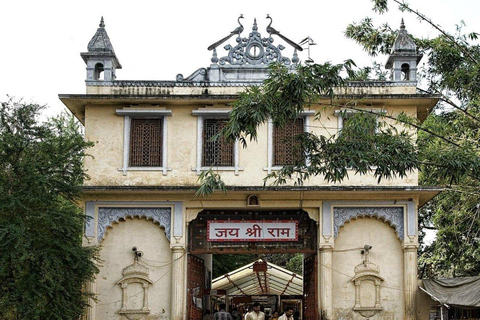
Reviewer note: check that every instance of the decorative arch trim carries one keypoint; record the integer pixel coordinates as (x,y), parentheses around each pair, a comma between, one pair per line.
(107,216)
(391,215)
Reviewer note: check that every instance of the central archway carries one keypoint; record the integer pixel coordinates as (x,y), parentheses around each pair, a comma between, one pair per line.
(259,232)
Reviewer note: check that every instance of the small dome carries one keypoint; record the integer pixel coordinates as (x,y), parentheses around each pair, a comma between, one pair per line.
(100,41)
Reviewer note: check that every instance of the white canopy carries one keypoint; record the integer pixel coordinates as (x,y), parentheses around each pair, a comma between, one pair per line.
(246,282)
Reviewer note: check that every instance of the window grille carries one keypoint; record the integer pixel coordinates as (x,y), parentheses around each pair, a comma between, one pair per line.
(146,142)
(286,149)
(216,151)
(370,122)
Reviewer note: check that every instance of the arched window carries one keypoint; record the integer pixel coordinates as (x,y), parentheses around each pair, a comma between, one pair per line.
(405,72)
(98,75)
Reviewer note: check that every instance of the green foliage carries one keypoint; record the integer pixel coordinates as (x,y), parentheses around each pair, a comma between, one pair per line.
(374,40)
(448,141)
(447,151)
(455,212)
(225,263)
(295,264)
(42,262)
(211,182)
(456,250)
(386,153)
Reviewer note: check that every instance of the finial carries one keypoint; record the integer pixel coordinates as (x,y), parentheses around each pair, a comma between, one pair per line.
(102,24)
(295,59)
(255,28)
(214,56)
(402,25)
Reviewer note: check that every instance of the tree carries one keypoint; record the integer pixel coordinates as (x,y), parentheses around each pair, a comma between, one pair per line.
(42,262)
(447,150)
(448,144)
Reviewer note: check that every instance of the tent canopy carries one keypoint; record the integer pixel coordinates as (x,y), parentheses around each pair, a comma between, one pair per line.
(260,278)
(459,292)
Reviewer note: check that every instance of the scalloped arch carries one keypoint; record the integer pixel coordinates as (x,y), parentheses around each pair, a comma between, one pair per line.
(108,216)
(391,215)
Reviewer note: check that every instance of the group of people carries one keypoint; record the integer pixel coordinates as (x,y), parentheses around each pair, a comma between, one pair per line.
(254,314)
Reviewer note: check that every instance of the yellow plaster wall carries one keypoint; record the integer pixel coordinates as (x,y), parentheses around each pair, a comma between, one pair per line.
(105,128)
(386,253)
(116,254)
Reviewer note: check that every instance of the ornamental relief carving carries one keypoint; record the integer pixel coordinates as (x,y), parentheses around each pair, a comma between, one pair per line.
(106,216)
(391,215)
(132,275)
(367,282)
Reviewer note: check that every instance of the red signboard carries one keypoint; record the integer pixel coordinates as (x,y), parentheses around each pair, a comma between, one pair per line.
(252,230)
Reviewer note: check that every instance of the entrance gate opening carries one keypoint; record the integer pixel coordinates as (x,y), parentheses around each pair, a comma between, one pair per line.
(251,232)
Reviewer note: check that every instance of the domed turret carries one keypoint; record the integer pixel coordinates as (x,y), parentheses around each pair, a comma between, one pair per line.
(101,59)
(403,59)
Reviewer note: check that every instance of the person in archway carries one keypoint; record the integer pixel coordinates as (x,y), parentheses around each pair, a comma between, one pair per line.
(287,315)
(236,315)
(208,315)
(222,314)
(275,315)
(256,314)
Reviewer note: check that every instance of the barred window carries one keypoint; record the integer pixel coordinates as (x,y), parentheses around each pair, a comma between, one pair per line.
(286,150)
(146,136)
(216,152)
(369,121)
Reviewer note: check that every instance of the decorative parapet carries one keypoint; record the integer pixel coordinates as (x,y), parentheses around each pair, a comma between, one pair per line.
(181,82)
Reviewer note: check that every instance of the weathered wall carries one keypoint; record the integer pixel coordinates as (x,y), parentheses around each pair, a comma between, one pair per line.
(105,128)
(398,88)
(424,304)
(386,253)
(116,254)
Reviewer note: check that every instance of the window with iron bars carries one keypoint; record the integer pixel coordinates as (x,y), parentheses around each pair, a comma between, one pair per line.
(216,151)
(146,137)
(286,148)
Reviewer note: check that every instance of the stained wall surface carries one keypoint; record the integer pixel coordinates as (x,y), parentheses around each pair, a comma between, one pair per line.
(386,253)
(116,254)
(106,129)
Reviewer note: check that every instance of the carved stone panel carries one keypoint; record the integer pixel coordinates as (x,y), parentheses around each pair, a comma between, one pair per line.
(106,216)
(135,275)
(391,215)
(367,282)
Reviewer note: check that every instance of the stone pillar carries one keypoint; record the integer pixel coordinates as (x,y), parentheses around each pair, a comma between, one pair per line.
(410,280)
(89,314)
(326,282)
(179,290)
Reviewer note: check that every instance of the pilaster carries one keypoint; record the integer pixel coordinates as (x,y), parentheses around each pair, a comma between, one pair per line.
(179,290)
(410,280)
(326,281)
(90,286)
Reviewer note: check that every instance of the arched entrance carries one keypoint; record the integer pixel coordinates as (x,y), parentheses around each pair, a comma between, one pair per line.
(251,232)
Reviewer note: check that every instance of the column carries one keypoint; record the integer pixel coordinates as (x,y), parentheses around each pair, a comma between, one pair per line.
(90,286)
(179,290)
(326,282)
(410,280)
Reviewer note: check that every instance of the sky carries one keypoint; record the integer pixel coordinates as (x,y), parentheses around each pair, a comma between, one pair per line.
(41,41)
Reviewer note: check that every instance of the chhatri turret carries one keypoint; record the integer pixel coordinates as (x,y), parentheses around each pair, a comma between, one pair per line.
(403,59)
(101,57)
